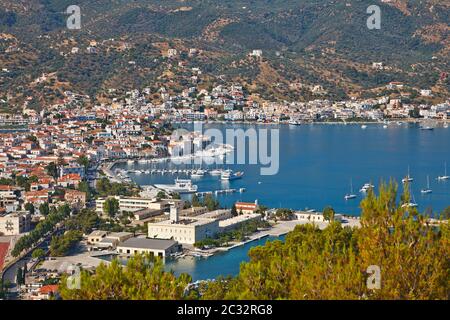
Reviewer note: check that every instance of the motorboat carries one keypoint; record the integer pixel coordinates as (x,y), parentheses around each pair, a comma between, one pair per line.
(181,186)
(228,175)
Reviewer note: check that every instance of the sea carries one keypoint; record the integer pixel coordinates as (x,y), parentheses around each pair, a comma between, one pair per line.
(320,163)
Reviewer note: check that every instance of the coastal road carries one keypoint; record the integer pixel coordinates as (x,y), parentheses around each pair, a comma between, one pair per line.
(9,275)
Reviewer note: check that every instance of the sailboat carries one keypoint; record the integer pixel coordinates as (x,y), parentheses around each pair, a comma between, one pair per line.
(427,125)
(351,195)
(445,176)
(408,178)
(427,190)
(412,203)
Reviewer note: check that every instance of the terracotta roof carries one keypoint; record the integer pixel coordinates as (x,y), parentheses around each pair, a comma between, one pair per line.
(50,288)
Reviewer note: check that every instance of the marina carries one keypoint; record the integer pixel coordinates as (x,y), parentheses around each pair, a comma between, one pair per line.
(315,166)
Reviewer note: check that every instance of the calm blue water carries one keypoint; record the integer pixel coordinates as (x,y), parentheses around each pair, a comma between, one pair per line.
(225,264)
(317,163)
(221,264)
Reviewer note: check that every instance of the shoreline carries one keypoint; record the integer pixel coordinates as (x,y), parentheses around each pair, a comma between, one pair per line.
(301,123)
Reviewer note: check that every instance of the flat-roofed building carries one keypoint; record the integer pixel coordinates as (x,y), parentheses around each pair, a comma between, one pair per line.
(155,247)
(186,230)
(96,236)
(15,223)
(315,216)
(113,239)
(133,204)
(146,214)
(234,222)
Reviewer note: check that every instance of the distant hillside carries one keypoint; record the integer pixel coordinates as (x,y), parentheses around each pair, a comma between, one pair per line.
(305,42)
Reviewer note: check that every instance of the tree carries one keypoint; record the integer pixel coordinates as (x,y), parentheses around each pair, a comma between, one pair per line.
(52,170)
(111,207)
(446,213)
(38,253)
(83,186)
(161,195)
(195,201)
(142,279)
(19,277)
(328,214)
(210,202)
(44,209)
(332,263)
(176,196)
(234,212)
(61,246)
(284,214)
(30,208)
(83,161)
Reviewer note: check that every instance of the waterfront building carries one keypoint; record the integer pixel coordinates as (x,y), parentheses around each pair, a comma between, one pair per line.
(246,207)
(155,247)
(184,230)
(234,222)
(315,216)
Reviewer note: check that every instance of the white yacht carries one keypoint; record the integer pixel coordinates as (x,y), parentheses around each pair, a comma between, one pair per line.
(215,172)
(351,195)
(427,190)
(408,178)
(366,187)
(412,203)
(364,126)
(180,186)
(445,176)
(228,175)
(198,173)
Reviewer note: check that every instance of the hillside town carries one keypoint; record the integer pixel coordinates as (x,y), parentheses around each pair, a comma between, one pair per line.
(62,203)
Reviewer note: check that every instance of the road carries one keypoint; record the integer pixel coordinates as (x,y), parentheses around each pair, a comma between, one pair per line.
(9,275)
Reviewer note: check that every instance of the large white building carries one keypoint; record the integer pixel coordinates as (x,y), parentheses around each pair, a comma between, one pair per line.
(132,204)
(192,229)
(188,230)
(15,223)
(154,247)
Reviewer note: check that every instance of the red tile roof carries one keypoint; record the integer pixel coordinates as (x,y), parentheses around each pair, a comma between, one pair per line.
(48,289)
(3,250)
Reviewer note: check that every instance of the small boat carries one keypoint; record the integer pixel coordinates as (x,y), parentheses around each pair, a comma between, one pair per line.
(408,178)
(215,172)
(228,175)
(363,127)
(410,205)
(445,176)
(180,186)
(446,125)
(427,125)
(351,195)
(366,187)
(412,202)
(427,190)
(198,174)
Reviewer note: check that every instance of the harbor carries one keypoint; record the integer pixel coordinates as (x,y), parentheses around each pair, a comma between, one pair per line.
(311,178)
